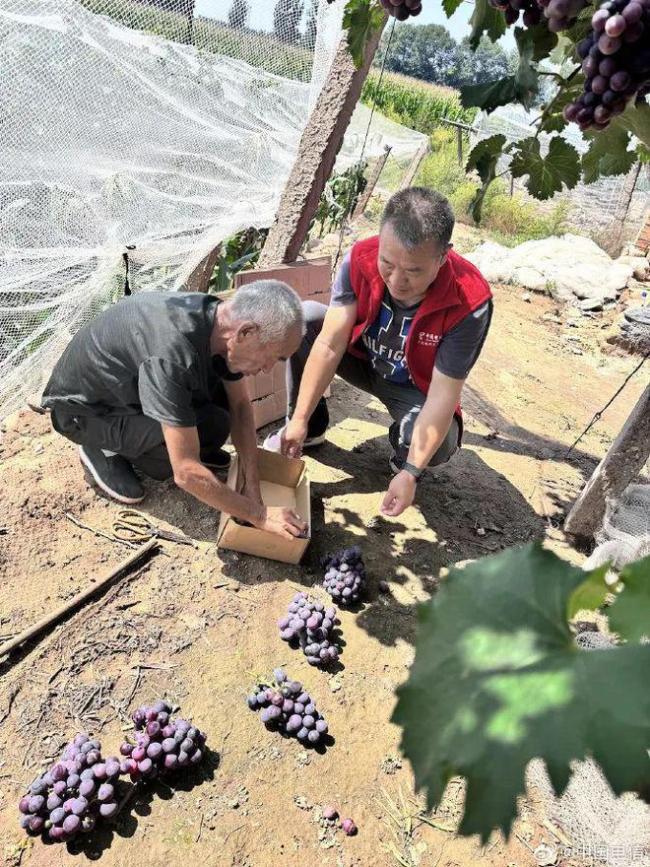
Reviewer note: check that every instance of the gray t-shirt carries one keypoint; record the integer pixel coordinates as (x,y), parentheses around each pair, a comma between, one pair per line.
(148,354)
(385,338)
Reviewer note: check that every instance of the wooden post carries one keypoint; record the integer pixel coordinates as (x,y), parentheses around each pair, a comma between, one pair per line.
(629,186)
(620,466)
(409,177)
(198,280)
(362,204)
(459,144)
(319,145)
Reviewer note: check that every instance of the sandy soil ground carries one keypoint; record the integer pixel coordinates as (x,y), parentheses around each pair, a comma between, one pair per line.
(197,625)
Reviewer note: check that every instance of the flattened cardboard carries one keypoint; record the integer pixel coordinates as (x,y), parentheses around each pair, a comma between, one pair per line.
(283,482)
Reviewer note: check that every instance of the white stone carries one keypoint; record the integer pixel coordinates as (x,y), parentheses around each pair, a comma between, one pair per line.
(568,267)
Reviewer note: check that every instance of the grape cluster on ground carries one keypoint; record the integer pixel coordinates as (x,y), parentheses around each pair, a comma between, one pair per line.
(285,707)
(311,626)
(80,789)
(345,575)
(73,795)
(162,744)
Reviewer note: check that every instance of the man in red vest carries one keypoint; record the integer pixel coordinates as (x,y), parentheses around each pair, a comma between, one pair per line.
(406,323)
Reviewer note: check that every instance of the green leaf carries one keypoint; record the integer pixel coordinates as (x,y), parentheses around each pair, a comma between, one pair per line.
(521,87)
(629,615)
(361,19)
(546,174)
(608,153)
(552,118)
(498,680)
(450,6)
(486,19)
(544,42)
(483,159)
(636,119)
(590,595)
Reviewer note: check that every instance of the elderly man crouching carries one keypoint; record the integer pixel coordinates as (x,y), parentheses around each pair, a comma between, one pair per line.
(406,323)
(156,383)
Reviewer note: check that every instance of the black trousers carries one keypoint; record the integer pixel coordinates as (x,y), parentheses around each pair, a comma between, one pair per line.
(139,438)
(403,402)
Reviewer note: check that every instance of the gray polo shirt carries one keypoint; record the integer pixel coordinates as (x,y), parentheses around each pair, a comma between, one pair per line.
(149,354)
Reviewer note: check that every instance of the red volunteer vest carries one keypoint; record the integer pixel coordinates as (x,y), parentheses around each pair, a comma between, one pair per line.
(457,291)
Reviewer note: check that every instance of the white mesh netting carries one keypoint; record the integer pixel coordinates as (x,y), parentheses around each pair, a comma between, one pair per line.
(600,828)
(161,126)
(619,203)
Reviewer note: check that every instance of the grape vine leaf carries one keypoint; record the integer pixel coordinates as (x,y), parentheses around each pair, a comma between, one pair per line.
(485,19)
(629,615)
(544,41)
(498,680)
(636,119)
(450,6)
(591,593)
(546,174)
(361,19)
(520,87)
(608,153)
(552,119)
(484,158)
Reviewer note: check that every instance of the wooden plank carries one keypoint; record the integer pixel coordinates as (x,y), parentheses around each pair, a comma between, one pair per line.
(362,204)
(409,177)
(620,466)
(319,145)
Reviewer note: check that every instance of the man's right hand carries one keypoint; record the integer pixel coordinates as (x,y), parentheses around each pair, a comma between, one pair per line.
(292,438)
(284,522)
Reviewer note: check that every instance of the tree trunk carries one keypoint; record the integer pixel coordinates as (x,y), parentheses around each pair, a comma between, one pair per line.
(319,145)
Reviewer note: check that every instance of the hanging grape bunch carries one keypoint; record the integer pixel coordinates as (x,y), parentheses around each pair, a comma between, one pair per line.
(311,626)
(285,707)
(73,795)
(615,60)
(512,9)
(402,9)
(162,744)
(345,575)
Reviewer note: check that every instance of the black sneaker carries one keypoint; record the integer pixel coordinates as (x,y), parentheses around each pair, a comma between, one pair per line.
(113,474)
(216,459)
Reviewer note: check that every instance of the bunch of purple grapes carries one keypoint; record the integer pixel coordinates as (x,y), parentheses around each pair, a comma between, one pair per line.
(402,9)
(73,794)
(311,626)
(285,707)
(615,60)
(512,9)
(345,575)
(162,744)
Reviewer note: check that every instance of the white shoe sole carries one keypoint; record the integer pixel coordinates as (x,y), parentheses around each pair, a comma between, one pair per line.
(101,484)
(308,444)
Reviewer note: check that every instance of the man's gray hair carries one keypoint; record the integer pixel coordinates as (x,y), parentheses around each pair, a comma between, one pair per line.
(272,305)
(417,215)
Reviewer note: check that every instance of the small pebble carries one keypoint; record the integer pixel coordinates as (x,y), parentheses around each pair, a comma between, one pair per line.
(349,827)
(330,813)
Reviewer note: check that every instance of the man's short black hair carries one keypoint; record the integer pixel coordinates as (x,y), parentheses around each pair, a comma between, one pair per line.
(417,215)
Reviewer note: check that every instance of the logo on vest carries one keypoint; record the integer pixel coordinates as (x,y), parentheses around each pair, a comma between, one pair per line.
(428,339)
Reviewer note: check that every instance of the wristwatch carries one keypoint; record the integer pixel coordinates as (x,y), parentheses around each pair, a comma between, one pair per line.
(413,470)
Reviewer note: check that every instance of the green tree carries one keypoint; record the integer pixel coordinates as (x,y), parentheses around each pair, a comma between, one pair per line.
(286,20)
(238,13)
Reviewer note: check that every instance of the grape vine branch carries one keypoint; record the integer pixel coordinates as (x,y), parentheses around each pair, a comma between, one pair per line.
(596,54)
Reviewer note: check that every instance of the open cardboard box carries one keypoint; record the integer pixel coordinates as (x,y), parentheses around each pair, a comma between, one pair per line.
(284,482)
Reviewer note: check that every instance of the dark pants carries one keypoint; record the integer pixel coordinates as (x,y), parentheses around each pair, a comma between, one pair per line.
(139,438)
(403,402)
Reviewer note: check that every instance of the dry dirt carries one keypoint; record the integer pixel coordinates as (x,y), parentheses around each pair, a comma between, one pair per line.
(197,624)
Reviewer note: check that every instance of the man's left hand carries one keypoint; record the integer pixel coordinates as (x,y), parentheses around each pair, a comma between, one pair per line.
(400,494)
(252,491)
